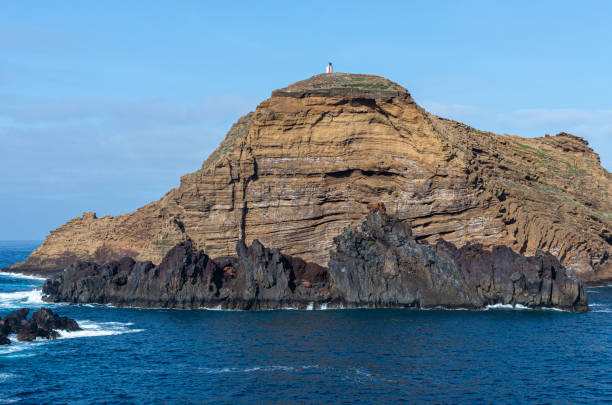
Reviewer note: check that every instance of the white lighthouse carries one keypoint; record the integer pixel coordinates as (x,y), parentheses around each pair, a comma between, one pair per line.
(328,69)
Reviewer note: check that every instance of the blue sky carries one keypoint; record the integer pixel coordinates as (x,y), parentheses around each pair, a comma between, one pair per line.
(104,105)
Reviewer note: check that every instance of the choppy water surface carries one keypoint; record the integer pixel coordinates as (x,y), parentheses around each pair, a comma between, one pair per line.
(437,356)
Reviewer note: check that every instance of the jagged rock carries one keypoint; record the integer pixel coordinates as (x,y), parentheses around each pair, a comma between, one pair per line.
(379,263)
(43,323)
(187,278)
(306,163)
(13,321)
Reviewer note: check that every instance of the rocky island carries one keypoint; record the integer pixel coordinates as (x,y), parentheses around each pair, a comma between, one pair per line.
(305,164)
(275,216)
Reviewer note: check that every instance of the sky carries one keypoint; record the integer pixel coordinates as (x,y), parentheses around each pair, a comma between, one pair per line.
(104,105)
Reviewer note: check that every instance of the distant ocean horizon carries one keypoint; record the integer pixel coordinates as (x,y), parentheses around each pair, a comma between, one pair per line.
(133,355)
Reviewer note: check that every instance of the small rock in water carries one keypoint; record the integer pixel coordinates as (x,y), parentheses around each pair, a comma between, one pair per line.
(43,323)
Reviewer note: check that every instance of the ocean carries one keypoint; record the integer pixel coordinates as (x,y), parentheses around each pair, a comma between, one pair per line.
(131,355)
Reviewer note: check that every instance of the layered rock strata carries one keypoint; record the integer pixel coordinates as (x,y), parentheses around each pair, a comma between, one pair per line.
(375,264)
(305,164)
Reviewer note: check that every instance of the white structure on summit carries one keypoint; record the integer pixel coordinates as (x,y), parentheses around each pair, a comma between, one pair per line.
(328,69)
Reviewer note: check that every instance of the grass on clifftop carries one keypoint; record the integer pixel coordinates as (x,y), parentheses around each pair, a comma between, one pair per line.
(381,86)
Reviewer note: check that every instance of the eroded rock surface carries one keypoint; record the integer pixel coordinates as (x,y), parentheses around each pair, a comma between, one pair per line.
(306,163)
(379,263)
(376,264)
(256,278)
(43,324)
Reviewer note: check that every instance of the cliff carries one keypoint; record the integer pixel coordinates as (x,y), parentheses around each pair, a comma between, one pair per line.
(377,263)
(305,164)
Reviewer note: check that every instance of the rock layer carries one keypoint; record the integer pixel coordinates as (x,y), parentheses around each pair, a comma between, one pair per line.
(306,163)
(379,263)
(375,264)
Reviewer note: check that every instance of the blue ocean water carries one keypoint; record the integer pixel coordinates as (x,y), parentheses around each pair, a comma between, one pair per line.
(289,356)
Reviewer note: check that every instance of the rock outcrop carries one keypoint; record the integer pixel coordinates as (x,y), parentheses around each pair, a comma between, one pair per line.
(306,163)
(379,263)
(256,278)
(43,324)
(375,264)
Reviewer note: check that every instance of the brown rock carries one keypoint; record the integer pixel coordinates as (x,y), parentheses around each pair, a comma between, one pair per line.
(312,157)
(376,207)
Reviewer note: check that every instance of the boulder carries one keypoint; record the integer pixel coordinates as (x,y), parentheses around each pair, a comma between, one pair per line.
(43,323)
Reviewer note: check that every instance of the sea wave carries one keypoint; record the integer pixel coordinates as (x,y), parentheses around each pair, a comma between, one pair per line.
(91,329)
(15,349)
(19,349)
(20,298)
(519,307)
(254,369)
(5,376)
(21,275)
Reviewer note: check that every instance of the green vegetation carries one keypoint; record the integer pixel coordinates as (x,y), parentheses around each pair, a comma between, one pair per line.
(381,86)
(538,165)
(522,145)
(370,242)
(459,148)
(549,188)
(535,151)
(227,145)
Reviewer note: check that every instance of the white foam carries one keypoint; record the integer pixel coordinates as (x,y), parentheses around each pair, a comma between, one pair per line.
(254,369)
(310,306)
(439,307)
(14,349)
(506,306)
(17,298)
(553,309)
(5,376)
(91,329)
(519,307)
(21,275)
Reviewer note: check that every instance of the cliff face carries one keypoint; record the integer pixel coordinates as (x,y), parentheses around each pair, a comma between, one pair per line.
(308,160)
(375,264)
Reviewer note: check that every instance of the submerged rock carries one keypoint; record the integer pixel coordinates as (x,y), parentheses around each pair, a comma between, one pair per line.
(379,263)
(43,323)
(376,264)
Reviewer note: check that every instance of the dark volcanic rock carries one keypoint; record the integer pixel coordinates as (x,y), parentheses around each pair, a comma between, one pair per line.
(379,263)
(187,278)
(43,323)
(376,264)
(13,321)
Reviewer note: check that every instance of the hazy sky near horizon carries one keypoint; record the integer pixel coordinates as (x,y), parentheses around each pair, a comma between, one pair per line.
(104,105)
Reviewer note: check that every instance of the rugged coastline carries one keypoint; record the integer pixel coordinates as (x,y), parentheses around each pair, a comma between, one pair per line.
(305,164)
(376,263)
